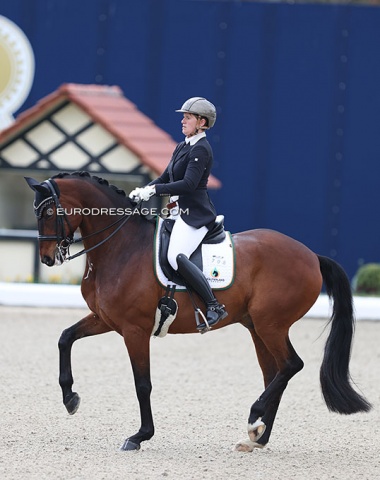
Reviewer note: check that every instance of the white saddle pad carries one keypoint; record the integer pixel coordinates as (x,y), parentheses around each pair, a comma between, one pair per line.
(218,262)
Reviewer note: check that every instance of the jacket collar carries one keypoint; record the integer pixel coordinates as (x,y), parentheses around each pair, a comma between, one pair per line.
(193,140)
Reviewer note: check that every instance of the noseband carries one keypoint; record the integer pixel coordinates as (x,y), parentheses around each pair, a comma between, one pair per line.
(65,241)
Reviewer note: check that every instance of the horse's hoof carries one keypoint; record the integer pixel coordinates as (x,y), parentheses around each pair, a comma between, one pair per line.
(247,446)
(128,445)
(256,430)
(73,404)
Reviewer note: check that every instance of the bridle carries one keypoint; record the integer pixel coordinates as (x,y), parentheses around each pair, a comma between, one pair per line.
(65,241)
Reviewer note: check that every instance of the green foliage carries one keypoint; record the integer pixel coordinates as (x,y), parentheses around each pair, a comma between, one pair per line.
(368,279)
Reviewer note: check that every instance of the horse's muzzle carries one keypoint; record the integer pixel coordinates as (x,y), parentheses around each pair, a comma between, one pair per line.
(48,260)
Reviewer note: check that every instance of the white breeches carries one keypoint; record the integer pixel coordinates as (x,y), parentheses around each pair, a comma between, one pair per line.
(184,239)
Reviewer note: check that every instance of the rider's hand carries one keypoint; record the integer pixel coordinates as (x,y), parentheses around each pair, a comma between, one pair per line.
(147,192)
(134,195)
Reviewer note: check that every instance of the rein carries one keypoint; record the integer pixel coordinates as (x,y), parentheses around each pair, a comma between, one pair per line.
(123,221)
(64,242)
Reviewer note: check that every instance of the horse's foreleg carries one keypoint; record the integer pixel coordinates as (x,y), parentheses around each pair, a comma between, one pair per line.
(88,326)
(137,343)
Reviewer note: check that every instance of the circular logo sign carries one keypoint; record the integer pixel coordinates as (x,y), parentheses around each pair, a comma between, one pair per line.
(16,70)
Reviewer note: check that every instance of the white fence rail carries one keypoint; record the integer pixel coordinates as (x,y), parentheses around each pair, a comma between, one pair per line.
(69,296)
(20,262)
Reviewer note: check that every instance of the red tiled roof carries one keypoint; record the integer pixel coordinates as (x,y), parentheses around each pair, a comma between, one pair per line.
(107,106)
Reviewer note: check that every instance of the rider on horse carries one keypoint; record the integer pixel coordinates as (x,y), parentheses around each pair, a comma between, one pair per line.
(185,180)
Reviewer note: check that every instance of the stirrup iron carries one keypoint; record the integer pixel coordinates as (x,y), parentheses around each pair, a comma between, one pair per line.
(198,312)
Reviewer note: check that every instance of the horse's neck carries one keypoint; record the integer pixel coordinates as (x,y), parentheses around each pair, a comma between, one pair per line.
(98,230)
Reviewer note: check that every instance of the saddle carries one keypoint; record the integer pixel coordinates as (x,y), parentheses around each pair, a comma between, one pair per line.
(215,235)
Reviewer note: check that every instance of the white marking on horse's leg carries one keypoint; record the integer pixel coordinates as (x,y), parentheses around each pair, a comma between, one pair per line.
(247,446)
(256,430)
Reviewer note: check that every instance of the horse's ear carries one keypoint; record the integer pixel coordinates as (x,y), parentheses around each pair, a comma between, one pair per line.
(36,186)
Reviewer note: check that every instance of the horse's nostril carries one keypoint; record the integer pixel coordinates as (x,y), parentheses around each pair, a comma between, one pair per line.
(47,261)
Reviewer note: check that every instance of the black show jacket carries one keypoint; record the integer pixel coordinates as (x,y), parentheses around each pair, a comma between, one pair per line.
(186,176)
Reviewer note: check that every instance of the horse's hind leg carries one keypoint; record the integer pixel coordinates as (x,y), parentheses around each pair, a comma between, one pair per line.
(279,363)
(88,326)
(261,430)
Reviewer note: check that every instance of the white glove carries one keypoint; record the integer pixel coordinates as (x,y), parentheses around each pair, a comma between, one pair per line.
(134,195)
(147,192)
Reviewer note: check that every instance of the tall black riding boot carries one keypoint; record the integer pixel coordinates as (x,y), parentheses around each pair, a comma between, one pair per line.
(197,281)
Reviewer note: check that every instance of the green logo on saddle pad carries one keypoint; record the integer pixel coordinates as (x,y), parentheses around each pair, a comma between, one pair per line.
(215,273)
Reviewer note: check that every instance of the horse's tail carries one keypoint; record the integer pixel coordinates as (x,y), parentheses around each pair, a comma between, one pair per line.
(334,374)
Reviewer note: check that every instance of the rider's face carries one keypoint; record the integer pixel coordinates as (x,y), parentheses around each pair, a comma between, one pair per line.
(189,124)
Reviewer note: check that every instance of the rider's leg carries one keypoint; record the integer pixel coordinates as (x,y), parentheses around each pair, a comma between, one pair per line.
(197,281)
(183,241)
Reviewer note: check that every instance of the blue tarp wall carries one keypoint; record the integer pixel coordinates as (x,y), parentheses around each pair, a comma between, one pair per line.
(297,140)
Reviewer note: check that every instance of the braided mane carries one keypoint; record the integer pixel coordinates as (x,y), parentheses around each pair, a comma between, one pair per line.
(85,174)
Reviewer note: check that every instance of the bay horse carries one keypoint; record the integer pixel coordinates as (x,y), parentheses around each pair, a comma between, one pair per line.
(278,279)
